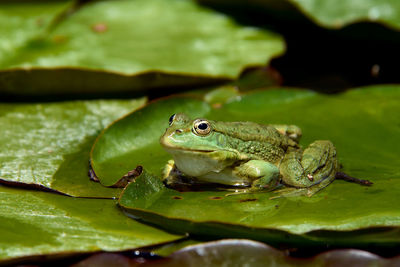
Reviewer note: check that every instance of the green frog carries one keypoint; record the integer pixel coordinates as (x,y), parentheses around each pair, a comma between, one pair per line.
(248,156)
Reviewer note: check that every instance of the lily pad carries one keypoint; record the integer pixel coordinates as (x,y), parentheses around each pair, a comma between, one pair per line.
(38,223)
(326,13)
(115,46)
(47,145)
(332,14)
(24,21)
(364,126)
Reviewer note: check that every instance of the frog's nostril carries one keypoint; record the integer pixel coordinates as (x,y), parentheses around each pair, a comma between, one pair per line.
(178,131)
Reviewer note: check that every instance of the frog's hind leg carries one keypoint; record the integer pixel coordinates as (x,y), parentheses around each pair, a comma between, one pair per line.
(309,171)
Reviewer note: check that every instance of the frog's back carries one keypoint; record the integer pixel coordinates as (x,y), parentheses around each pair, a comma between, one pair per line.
(251,131)
(252,138)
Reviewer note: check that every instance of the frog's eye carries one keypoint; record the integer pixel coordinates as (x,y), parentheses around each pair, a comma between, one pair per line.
(171,119)
(201,127)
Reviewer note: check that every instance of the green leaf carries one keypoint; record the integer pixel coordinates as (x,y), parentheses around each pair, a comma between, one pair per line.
(133,45)
(38,223)
(326,13)
(333,14)
(23,22)
(363,124)
(48,144)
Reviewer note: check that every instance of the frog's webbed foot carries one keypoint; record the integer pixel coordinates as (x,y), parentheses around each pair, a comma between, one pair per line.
(241,191)
(304,191)
(251,190)
(312,170)
(290,192)
(237,191)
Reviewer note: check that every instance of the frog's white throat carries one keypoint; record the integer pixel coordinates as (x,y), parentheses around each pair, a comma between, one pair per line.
(194,163)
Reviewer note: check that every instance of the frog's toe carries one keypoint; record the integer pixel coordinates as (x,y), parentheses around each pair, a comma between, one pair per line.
(290,192)
(238,191)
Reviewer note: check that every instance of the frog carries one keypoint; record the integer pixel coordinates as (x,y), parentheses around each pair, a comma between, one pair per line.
(247,156)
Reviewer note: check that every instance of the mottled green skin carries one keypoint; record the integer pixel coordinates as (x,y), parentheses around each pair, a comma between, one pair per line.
(250,155)
(261,142)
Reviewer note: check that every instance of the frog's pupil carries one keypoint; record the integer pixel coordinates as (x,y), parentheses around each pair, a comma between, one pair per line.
(171,119)
(202,126)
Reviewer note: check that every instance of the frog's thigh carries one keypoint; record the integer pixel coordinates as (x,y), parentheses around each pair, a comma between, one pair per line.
(264,174)
(315,168)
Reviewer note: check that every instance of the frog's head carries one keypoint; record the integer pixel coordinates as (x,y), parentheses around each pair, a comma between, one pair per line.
(194,145)
(190,135)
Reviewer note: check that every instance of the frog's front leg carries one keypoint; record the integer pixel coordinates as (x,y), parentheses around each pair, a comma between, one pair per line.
(170,174)
(309,171)
(264,175)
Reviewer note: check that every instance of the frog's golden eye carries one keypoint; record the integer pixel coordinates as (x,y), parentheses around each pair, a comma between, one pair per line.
(201,127)
(171,119)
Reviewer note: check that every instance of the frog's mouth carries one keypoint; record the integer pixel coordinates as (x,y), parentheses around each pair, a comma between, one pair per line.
(176,147)
(172,149)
